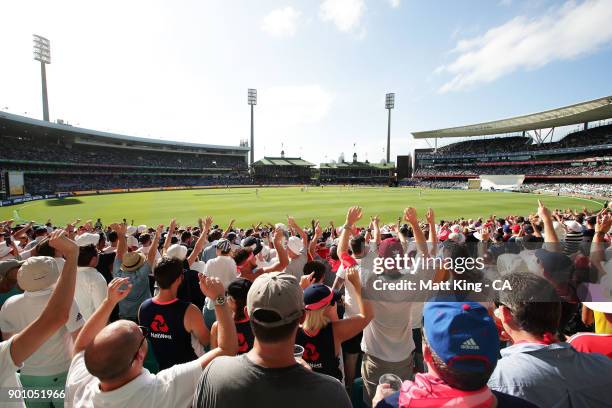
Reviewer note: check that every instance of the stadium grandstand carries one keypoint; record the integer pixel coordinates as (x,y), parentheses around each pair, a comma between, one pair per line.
(580,160)
(282,170)
(55,157)
(357,172)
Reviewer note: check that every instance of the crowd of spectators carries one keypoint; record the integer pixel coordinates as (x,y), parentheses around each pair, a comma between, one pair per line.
(119,315)
(601,135)
(590,189)
(50,184)
(604,170)
(37,150)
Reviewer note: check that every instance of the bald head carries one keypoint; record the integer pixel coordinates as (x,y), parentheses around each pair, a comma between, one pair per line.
(111,353)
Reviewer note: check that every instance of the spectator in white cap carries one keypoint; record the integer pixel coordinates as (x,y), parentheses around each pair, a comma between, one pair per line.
(269,375)
(132,243)
(87,238)
(223,268)
(25,343)
(91,286)
(177,251)
(131,230)
(296,250)
(48,366)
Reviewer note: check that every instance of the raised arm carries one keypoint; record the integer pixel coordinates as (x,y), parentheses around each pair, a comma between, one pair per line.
(56,312)
(281,252)
(121,230)
(602,226)
(312,247)
(227,338)
(376,229)
(229,228)
(346,328)
(202,240)
(169,235)
(292,224)
(154,245)
(118,289)
(549,231)
(433,236)
(410,215)
(353,215)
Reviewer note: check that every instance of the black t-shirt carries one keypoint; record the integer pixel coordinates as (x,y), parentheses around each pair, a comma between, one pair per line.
(319,351)
(503,401)
(238,382)
(189,290)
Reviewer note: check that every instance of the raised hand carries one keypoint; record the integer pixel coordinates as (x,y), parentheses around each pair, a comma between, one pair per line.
(306,280)
(278,236)
(59,241)
(604,222)
(159,230)
(430,216)
(353,215)
(352,275)
(208,223)
(543,212)
(291,222)
(212,288)
(410,215)
(118,289)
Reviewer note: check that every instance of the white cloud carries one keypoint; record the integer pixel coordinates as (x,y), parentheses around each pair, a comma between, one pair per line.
(394,3)
(528,43)
(505,3)
(345,14)
(281,22)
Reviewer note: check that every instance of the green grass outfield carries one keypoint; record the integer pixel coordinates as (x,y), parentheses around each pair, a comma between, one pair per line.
(273,205)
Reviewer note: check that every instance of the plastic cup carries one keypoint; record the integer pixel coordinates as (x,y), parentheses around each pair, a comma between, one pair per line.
(393,380)
(298,351)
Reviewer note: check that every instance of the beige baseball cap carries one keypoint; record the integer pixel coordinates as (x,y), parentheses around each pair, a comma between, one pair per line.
(37,273)
(276,292)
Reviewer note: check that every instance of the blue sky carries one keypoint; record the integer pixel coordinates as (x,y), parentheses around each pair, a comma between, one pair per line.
(180,70)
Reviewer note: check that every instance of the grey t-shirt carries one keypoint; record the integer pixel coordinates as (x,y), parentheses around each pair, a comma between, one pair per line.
(296,266)
(237,382)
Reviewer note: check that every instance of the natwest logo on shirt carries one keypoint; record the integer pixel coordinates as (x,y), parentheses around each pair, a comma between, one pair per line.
(159,324)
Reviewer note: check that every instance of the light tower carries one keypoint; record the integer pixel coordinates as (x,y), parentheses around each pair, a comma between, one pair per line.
(42,53)
(389,104)
(252,100)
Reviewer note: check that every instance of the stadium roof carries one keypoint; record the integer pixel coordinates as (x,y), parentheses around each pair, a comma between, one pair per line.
(283,161)
(13,119)
(597,109)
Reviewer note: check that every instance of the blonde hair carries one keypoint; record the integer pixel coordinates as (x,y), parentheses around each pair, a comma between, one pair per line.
(315,319)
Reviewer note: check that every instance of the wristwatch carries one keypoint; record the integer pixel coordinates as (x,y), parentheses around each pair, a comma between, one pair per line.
(220,300)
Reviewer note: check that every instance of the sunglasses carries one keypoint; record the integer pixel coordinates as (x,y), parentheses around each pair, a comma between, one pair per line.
(145,333)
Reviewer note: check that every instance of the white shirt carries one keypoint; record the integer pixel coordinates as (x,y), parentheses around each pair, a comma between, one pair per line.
(224,268)
(173,387)
(8,375)
(53,357)
(389,335)
(90,290)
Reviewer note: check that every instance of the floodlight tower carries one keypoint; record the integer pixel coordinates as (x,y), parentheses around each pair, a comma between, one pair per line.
(42,53)
(252,99)
(389,104)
